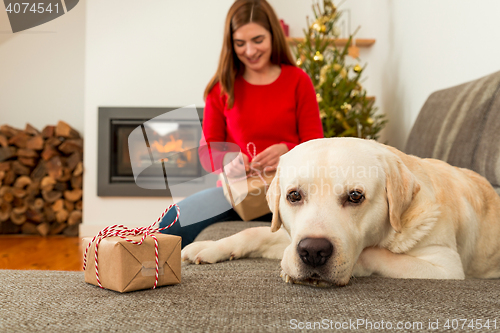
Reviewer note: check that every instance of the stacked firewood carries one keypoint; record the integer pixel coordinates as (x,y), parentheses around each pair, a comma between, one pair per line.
(41,180)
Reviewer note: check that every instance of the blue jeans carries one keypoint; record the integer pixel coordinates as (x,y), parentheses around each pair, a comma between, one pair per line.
(210,202)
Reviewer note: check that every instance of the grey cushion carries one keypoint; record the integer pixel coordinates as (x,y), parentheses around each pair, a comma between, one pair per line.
(237,296)
(461,125)
(224,229)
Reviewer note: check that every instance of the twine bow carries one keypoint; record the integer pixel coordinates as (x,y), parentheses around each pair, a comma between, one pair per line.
(123,232)
(252,154)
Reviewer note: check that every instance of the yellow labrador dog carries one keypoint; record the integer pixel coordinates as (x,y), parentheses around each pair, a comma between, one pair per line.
(350,207)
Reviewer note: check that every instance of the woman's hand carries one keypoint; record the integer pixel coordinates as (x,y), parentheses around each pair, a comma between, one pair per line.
(233,166)
(268,159)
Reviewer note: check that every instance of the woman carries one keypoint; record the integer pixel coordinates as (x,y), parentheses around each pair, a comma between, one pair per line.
(257,95)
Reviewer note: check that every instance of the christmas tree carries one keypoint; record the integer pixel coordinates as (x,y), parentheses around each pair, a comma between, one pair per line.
(344,107)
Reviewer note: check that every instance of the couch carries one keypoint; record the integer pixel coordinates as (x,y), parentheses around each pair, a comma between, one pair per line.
(460,125)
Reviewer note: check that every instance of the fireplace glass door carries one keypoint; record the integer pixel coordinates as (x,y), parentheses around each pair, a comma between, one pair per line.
(169,142)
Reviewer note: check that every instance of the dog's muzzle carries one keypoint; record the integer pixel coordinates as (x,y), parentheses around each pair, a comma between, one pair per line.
(314,252)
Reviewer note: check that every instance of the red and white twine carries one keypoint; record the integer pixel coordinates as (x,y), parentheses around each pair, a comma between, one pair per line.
(123,232)
(252,154)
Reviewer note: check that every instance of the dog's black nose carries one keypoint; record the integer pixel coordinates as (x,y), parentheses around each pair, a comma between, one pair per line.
(314,251)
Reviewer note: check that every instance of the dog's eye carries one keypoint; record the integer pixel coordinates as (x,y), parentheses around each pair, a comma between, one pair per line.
(294,196)
(356,196)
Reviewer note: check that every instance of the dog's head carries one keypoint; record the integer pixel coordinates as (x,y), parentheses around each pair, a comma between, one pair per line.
(336,197)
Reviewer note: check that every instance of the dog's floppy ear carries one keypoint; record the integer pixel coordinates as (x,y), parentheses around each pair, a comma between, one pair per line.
(401,186)
(273,200)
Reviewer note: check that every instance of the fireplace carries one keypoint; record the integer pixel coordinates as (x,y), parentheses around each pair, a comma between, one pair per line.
(140,148)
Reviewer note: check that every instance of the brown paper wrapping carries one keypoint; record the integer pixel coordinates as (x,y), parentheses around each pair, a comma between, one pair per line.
(248,196)
(125,267)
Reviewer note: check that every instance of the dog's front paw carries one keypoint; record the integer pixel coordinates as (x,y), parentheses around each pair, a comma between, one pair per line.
(205,252)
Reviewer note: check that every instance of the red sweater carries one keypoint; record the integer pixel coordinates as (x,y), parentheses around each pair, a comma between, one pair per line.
(284,111)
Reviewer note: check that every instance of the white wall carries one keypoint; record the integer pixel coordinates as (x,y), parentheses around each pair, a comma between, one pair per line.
(41,71)
(436,44)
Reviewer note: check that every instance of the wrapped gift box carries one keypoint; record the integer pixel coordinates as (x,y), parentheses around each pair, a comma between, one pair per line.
(124,266)
(248,196)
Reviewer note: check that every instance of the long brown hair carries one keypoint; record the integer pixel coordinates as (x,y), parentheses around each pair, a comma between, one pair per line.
(243,12)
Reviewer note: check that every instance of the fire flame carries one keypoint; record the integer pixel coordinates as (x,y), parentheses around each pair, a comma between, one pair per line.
(174,145)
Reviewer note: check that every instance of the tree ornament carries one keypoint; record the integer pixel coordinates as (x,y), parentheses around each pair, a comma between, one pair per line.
(299,62)
(357,68)
(316,26)
(346,107)
(318,57)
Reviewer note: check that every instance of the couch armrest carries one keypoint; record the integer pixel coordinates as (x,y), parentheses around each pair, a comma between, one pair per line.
(461,126)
